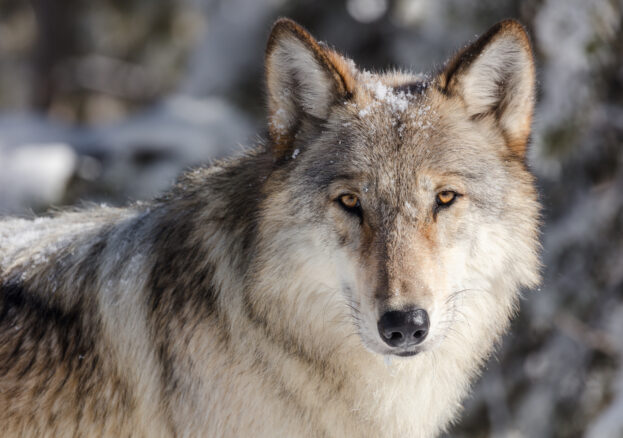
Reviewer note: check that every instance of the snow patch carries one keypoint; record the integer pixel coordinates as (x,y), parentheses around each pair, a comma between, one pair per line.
(279,121)
(35,174)
(396,101)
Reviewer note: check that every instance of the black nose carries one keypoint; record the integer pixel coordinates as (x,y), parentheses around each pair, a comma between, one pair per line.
(404,328)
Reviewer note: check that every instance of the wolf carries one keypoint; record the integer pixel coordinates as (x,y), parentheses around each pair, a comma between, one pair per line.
(348,277)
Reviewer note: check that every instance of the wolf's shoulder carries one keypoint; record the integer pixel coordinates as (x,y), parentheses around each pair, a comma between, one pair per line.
(34,238)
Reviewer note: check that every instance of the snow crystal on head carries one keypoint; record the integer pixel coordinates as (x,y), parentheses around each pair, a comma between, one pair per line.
(279,121)
(396,101)
(364,112)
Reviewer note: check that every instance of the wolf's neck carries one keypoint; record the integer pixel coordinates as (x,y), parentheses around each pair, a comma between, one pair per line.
(304,333)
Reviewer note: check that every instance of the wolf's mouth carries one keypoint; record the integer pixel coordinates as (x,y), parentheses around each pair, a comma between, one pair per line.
(407,353)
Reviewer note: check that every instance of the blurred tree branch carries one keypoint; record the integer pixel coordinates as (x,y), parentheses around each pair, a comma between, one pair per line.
(57,40)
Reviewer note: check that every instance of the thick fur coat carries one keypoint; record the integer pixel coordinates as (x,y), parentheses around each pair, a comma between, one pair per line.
(249,299)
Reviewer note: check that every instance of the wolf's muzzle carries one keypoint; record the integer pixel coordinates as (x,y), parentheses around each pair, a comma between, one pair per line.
(404,328)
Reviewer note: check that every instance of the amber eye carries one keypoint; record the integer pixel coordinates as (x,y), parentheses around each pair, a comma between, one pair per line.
(349,201)
(351,204)
(445,198)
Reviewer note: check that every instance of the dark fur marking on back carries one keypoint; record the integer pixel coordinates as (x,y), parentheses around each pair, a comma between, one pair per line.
(49,340)
(35,319)
(180,293)
(241,210)
(180,286)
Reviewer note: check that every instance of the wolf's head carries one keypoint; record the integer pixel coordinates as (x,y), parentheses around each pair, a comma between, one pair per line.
(407,196)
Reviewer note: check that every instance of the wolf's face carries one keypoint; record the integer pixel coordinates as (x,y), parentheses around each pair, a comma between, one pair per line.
(415,187)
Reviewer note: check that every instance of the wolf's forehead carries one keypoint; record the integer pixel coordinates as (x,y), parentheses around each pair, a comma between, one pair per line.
(393,79)
(423,160)
(397,178)
(393,93)
(397,124)
(399,138)
(394,111)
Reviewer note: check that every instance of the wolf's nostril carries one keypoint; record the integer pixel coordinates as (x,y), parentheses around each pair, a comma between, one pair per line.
(395,336)
(419,333)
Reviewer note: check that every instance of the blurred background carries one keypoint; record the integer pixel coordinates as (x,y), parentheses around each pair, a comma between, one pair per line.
(108,101)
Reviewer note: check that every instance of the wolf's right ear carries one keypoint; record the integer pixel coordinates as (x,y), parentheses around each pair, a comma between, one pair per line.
(303,78)
(495,77)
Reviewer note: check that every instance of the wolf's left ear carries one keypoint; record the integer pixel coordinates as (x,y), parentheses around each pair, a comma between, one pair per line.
(495,76)
(303,79)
